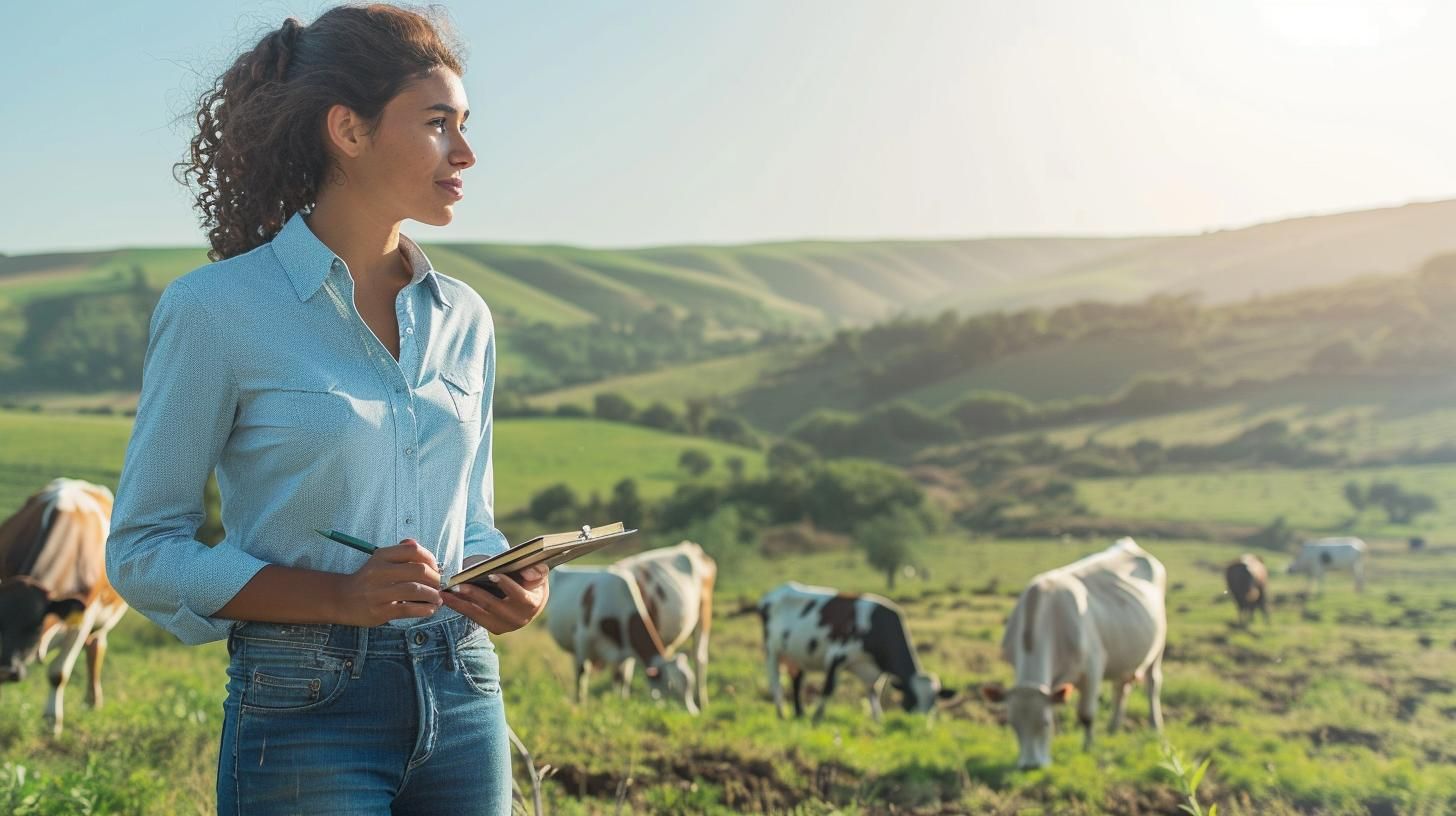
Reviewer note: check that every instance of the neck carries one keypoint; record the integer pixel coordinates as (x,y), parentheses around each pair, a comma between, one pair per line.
(367,242)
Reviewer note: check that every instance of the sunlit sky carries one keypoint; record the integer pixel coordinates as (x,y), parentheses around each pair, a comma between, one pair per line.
(621,124)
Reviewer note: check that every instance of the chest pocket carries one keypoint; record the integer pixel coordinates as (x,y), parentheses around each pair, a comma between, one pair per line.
(303,411)
(464,389)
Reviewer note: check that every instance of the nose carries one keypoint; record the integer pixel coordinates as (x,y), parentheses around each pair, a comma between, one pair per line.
(13,673)
(462,156)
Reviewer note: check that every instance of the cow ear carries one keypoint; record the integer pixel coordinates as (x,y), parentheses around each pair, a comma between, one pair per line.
(66,608)
(993,692)
(1062,693)
(946,693)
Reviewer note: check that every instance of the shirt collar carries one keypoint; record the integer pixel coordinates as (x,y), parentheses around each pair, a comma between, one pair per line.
(307,260)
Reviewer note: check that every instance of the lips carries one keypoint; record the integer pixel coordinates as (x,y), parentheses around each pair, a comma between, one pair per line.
(455,187)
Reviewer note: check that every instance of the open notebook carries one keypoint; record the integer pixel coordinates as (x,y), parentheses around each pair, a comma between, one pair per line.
(552,549)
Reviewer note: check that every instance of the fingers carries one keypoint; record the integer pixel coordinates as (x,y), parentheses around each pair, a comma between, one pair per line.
(413,571)
(407,551)
(496,614)
(533,576)
(406,609)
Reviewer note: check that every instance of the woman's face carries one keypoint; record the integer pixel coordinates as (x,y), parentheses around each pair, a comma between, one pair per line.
(413,160)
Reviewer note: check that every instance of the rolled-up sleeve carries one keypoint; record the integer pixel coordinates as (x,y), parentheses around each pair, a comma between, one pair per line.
(188,402)
(481,535)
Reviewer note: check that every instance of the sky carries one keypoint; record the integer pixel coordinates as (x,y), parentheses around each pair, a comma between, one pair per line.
(655,122)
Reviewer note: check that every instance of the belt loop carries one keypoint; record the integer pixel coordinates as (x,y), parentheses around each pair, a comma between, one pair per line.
(361,641)
(452,639)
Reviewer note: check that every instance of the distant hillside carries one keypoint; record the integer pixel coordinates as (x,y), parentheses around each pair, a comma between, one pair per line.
(815,284)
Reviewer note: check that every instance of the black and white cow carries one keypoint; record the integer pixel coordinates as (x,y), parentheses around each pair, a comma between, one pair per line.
(816,628)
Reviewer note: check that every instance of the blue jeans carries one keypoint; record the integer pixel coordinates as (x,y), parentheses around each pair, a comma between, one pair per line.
(326,718)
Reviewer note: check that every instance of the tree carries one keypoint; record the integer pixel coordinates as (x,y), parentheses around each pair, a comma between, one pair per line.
(1355,495)
(731,429)
(626,505)
(889,541)
(659,415)
(695,462)
(553,500)
(735,467)
(612,407)
(789,454)
(695,415)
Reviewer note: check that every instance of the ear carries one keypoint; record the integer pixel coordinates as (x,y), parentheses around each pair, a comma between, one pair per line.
(66,608)
(345,130)
(946,693)
(993,692)
(1062,693)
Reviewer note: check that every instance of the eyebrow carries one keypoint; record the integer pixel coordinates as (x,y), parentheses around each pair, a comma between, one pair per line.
(441,106)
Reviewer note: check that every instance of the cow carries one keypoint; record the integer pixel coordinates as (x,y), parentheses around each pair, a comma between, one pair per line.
(1102,617)
(821,629)
(1326,554)
(676,585)
(598,614)
(53,583)
(1248,584)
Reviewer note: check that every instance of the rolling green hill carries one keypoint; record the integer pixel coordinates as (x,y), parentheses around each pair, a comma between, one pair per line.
(531,454)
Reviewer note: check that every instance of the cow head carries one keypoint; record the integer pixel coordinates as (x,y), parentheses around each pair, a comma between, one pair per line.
(672,678)
(1029,709)
(24,605)
(921,693)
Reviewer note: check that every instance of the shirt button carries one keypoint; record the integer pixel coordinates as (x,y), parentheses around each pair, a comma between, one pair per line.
(409,451)
(399,390)
(409,521)
(420,638)
(409,331)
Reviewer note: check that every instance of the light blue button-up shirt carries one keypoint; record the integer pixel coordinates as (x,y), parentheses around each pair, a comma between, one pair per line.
(261,367)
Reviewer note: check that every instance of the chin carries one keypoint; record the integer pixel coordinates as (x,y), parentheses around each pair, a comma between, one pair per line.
(437,218)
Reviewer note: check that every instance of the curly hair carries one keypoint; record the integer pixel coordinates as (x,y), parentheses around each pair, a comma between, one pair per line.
(258,155)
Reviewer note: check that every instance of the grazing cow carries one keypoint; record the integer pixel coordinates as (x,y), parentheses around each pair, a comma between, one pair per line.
(1326,554)
(676,585)
(1248,582)
(1416,543)
(807,627)
(598,615)
(53,582)
(1098,618)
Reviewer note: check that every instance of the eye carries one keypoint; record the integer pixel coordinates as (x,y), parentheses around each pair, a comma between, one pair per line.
(441,122)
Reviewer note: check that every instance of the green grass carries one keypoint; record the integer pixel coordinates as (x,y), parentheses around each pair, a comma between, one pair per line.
(530,454)
(1337,709)
(676,384)
(1310,500)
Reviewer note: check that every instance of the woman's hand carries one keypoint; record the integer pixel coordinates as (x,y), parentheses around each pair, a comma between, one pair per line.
(524,600)
(402,581)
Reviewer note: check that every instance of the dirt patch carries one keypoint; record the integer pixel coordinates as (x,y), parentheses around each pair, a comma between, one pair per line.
(1433,685)
(1362,655)
(1339,735)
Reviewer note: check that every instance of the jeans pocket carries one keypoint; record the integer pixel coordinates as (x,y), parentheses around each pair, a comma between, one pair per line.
(479,664)
(286,678)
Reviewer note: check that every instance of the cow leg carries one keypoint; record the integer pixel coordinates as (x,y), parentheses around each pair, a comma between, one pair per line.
(1358,568)
(1119,706)
(96,653)
(796,677)
(1087,705)
(622,676)
(873,688)
(1155,693)
(775,682)
(700,650)
(829,676)
(582,678)
(60,670)
(1263,607)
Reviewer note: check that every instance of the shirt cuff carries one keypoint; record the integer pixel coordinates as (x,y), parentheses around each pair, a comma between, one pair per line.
(228,570)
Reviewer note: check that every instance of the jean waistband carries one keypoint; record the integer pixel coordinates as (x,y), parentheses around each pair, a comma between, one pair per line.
(440,632)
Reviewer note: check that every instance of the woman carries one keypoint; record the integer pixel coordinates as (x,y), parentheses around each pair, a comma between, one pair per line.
(335,380)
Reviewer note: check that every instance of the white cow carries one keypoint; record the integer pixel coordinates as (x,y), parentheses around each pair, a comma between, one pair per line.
(808,627)
(598,615)
(1326,554)
(1098,618)
(676,585)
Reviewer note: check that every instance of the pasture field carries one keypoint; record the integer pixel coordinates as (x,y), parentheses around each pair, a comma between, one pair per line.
(1310,500)
(674,385)
(589,455)
(1344,706)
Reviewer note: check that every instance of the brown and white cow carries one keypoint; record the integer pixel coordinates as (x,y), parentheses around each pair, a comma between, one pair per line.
(821,629)
(676,585)
(1102,617)
(598,614)
(53,583)
(1248,584)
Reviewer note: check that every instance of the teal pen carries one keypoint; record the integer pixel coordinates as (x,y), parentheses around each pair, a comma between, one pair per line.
(348,541)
